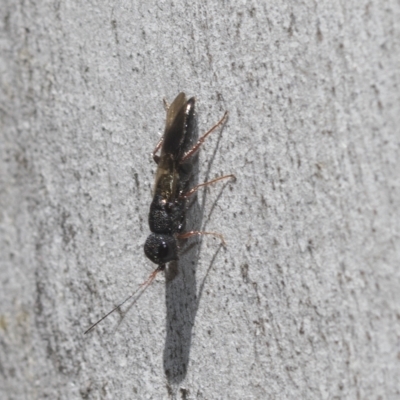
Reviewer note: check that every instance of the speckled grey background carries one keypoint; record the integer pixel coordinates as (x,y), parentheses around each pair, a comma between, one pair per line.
(305,300)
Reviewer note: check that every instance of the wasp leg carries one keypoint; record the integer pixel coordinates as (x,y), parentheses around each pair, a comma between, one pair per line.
(189,234)
(203,138)
(156,158)
(166,104)
(196,188)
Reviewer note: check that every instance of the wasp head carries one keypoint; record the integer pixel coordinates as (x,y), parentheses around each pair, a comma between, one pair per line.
(161,248)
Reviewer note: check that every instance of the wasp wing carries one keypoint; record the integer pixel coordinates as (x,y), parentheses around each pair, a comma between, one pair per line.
(178,127)
(174,109)
(175,127)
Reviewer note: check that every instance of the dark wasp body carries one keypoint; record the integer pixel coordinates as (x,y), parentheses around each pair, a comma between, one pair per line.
(167,210)
(171,190)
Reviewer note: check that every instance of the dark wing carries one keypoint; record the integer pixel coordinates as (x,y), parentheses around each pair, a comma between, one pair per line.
(173,110)
(175,127)
(177,135)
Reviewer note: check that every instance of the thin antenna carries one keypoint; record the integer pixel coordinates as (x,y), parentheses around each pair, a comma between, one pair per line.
(142,287)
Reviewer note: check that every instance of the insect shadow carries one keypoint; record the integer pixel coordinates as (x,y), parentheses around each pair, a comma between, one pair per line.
(182,293)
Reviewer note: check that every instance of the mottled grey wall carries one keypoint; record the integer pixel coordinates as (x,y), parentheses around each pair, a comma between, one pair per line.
(305,300)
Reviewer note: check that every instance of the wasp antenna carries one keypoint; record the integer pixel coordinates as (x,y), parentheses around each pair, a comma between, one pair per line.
(142,287)
(115,308)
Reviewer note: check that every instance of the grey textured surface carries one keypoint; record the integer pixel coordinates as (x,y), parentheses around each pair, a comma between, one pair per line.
(305,300)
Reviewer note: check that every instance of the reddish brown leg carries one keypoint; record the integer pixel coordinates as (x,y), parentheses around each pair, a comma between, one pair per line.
(156,158)
(160,142)
(189,234)
(166,104)
(203,138)
(196,188)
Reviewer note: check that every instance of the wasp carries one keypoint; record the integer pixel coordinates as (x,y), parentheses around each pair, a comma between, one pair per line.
(172,190)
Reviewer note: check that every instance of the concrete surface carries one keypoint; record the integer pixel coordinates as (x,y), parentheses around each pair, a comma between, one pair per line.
(305,300)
